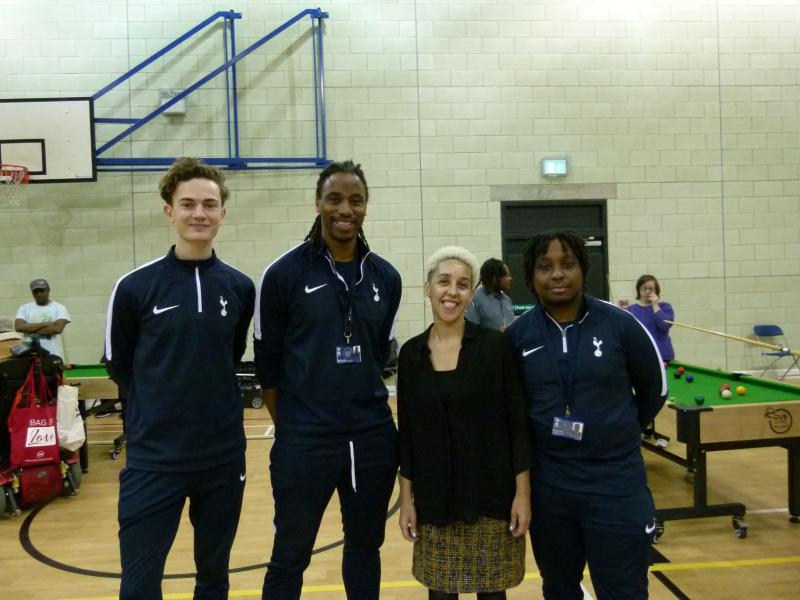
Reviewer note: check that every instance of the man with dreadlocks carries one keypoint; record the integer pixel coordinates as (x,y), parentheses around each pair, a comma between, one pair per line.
(593,377)
(325,316)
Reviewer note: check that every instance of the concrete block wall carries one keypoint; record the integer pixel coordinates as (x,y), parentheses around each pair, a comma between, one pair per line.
(688,109)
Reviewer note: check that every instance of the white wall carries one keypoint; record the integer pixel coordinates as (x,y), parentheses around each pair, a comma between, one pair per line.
(690,108)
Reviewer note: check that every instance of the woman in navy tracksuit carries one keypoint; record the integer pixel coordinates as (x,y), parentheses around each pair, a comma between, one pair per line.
(176,329)
(593,376)
(325,318)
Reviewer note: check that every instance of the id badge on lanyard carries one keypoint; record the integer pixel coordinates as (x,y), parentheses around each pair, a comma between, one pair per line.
(348,354)
(567,426)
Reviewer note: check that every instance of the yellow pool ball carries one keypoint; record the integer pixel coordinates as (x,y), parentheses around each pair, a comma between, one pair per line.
(741,390)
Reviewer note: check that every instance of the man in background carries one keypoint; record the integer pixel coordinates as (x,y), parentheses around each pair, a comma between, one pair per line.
(43,320)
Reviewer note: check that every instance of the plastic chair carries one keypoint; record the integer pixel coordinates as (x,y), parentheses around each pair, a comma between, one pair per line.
(773,334)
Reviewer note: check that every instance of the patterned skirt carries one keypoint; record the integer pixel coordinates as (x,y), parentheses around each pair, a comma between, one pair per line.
(469,557)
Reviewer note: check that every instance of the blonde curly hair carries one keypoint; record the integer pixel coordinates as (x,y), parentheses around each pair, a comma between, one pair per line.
(455,253)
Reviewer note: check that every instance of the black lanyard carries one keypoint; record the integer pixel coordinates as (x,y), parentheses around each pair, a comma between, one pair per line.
(346,300)
(564,363)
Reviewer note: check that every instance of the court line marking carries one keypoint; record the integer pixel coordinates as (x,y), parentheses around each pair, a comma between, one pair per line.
(765,511)
(726,564)
(269,433)
(310,589)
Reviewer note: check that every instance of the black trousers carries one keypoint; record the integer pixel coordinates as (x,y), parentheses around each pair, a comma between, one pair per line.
(611,533)
(150,507)
(304,478)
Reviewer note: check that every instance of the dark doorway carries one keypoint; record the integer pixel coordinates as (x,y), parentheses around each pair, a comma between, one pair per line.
(520,220)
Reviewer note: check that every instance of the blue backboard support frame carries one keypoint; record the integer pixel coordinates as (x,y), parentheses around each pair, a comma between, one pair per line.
(233,160)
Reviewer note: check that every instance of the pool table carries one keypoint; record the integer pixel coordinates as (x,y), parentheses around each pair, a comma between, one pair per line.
(92,381)
(763,416)
(93,384)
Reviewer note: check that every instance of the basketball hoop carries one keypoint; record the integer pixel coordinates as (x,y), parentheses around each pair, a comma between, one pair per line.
(11,178)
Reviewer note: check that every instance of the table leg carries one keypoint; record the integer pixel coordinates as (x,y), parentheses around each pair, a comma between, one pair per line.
(698,468)
(794,482)
(83,451)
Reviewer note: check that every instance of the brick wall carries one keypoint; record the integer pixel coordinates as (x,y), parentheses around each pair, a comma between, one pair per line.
(689,108)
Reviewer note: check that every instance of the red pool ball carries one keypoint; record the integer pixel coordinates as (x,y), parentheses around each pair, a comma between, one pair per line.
(724,386)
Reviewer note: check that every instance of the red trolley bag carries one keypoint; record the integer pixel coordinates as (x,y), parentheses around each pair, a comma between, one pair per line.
(39,483)
(34,439)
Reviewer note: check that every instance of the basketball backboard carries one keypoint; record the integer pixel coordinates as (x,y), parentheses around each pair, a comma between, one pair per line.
(53,137)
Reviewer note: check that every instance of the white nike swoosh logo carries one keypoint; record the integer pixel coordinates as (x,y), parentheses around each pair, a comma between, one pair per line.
(648,529)
(314,289)
(531,351)
(158,311)
(242,477)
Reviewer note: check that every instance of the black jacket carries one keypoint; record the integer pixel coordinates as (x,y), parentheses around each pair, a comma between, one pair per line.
(462,446)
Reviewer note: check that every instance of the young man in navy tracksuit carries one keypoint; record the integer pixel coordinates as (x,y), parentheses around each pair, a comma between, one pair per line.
(325,316)
(176,329)
(593,377)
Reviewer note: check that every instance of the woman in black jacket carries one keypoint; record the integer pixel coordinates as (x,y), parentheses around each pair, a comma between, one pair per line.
(464,445)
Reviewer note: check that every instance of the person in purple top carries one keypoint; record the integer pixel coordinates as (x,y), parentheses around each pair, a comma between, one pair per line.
(653,313)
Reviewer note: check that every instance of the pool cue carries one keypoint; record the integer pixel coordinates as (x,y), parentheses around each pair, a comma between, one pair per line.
(736,338)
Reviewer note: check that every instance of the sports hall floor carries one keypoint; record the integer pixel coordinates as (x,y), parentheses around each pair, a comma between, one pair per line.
(67,550)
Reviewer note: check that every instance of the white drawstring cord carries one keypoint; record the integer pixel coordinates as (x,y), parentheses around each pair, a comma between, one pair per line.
(353,467)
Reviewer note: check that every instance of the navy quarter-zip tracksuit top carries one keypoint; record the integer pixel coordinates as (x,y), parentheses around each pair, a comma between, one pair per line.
(299,322)
(175,331)
(617,386)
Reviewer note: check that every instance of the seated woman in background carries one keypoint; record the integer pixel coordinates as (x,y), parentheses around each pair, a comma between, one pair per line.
(464,445)
(652,312)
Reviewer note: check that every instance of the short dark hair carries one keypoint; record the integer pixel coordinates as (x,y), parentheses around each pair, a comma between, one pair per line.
(186,168)
(346,166)
(644,279)
(537,247)
(492,271)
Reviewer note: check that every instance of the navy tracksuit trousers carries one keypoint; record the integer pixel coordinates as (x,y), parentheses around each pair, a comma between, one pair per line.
(150,508)
(304,477)
(611,533)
